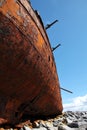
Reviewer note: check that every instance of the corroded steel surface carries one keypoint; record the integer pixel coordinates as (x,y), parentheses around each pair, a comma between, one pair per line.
(28,78)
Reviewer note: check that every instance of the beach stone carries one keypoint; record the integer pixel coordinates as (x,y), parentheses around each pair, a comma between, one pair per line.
(73,125)
(61,128)
(42,123)
(26,128)
(84,117)
(41,128)
(64,120)
(22,128)
(55,124)
(49,125)
(36,124)
(68,120)
(65,127)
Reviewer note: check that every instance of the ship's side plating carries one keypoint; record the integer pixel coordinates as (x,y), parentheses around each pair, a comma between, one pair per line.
(28,78)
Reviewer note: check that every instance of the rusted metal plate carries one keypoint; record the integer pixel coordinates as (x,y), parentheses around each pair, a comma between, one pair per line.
(28,78)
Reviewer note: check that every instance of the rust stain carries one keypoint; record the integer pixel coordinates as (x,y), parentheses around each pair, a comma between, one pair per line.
(28,77)
(16,11)
(12,10)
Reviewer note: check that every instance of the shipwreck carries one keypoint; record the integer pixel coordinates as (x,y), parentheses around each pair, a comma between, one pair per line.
(29,82)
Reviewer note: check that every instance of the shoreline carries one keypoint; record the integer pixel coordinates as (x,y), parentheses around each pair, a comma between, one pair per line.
(69,120)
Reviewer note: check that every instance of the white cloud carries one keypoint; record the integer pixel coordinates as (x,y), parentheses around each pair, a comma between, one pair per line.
(77,104)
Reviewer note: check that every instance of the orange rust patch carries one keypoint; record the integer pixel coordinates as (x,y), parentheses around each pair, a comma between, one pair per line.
(40,41)
(12,9)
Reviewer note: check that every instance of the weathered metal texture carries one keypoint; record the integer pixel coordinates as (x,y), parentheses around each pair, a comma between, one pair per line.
(28,78)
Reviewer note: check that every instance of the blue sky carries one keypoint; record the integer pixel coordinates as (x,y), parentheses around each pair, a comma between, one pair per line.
(71,57)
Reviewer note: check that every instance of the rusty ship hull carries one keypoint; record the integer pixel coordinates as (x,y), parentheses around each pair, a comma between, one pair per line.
(28,78)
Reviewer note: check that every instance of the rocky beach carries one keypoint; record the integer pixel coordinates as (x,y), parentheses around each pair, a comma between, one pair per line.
(67,121)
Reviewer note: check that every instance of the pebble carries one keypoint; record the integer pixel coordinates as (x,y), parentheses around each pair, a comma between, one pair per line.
(26,128)
(55,123)
(36,124)
(73,125)
(61,128)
